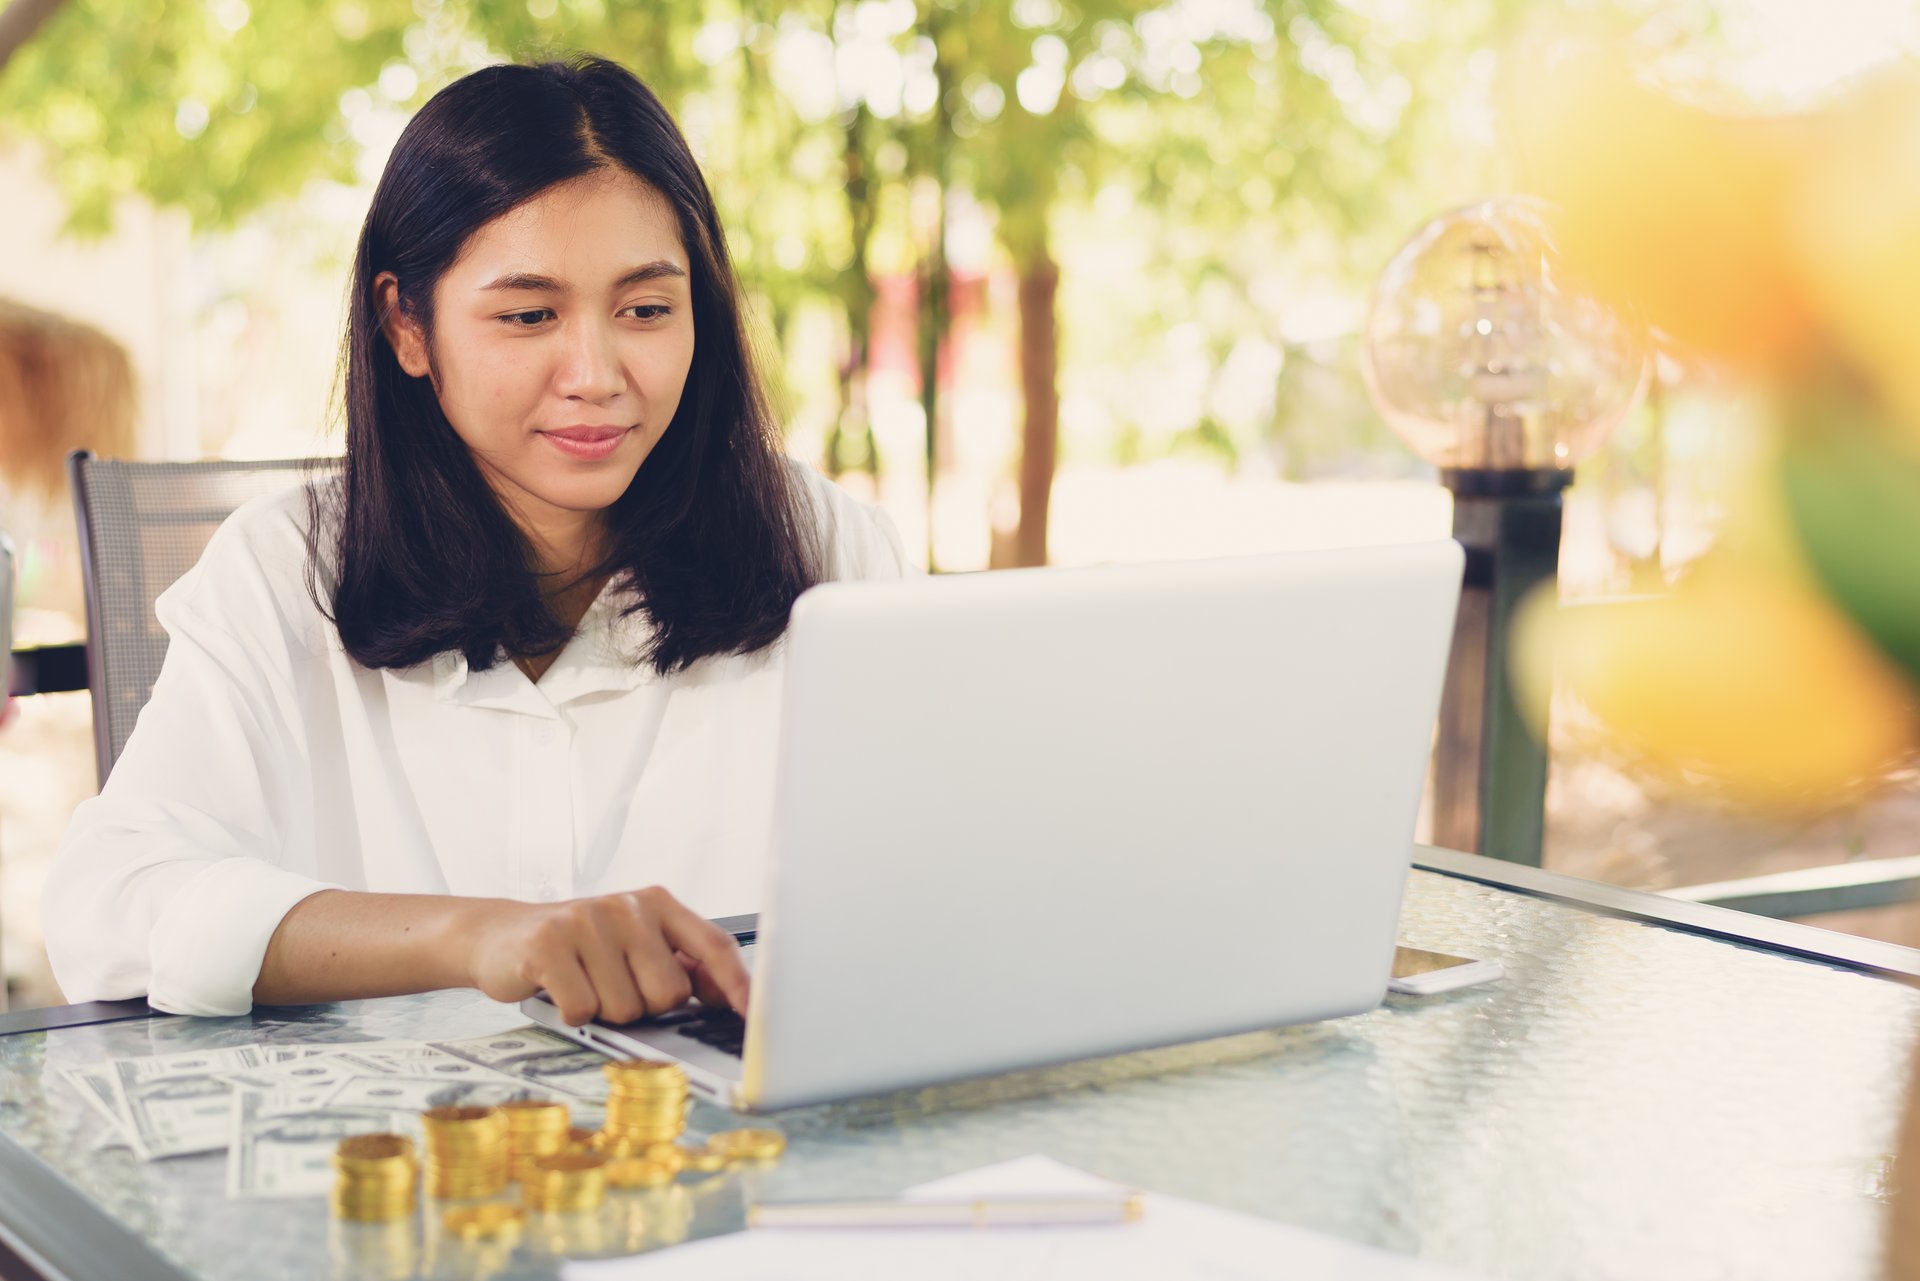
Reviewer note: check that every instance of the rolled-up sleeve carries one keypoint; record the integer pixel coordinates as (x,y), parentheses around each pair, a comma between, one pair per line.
(171,882)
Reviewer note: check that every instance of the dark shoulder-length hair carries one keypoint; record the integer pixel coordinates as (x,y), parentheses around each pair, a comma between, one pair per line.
(711,534)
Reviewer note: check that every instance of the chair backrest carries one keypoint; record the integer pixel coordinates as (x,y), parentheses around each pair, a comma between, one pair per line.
(142,525)
(6,616)
(6,602)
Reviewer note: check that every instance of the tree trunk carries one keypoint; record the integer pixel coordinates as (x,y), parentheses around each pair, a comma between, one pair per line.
(1040,392)
(19,21)
(854,422)
(936,312)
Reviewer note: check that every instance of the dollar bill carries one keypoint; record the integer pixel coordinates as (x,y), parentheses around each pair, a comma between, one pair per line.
(282,1146)
(315,1071)
(418,1093)
(100,1088)
(177,1103)
(538,1057)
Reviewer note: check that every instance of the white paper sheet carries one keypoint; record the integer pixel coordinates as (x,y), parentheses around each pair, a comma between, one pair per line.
(1175,1240)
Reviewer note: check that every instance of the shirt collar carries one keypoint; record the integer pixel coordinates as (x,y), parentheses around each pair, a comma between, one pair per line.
(602,657)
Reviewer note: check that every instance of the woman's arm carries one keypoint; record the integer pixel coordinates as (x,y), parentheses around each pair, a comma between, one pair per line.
(618,956)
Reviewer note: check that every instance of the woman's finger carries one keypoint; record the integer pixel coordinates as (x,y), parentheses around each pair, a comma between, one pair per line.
(711,947)
(602,943)
(567,987)
(662,981)
(703,985)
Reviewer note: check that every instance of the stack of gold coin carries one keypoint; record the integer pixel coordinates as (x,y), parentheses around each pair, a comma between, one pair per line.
(579,1140)
(467,1151)
(374,1177)
(646,1100)
(535,1127)
(565,1182)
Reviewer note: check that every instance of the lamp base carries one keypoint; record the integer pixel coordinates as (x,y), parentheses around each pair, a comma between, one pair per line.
(1504,482)
(1489,772)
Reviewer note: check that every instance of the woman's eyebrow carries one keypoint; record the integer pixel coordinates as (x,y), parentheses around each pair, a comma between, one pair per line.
(520,280)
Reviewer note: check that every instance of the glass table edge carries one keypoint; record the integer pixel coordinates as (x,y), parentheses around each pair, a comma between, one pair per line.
(1809,942)
(54,1230)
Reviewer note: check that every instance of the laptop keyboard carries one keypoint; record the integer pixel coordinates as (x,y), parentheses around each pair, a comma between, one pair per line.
(724,1030)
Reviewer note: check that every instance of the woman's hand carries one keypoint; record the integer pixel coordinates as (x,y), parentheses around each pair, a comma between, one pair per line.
(615,957)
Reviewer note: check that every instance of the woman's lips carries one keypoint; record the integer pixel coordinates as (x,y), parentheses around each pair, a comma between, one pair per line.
(589,443)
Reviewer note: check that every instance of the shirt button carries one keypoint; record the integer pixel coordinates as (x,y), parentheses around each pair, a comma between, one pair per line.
(543,734)
(544,889)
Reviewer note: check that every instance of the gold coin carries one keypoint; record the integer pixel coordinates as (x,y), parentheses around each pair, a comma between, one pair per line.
(640,1172)
(373,1149)
(480,1222)
(556,1168)
(539,1116)
(565,1181)
(671,1155)
(702,1160)
(374,1205)
(455,1117)
(613,1145)
(644,1074)
(748,1145)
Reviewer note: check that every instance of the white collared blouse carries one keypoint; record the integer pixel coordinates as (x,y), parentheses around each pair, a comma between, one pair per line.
(269,765)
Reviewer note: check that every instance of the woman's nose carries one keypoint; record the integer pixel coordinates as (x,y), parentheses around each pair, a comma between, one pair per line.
(590,366)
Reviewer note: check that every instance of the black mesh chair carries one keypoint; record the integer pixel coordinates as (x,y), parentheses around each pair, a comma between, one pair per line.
(142,525)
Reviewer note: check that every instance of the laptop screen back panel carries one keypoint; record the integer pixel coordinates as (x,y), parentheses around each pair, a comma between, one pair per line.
(1022,820)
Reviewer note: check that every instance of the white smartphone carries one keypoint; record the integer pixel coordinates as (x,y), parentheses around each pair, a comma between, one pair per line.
(1417,972)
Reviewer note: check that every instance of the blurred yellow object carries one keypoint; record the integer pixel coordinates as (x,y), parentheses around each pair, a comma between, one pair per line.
(1750,680)
(1674,210)
(1856,234)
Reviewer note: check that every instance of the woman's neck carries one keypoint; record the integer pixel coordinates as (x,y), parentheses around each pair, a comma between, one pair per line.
(566,546)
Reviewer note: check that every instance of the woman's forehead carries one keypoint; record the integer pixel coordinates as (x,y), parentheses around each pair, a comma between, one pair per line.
(582,235)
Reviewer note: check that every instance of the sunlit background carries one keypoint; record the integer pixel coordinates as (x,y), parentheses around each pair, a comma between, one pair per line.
(1145,231)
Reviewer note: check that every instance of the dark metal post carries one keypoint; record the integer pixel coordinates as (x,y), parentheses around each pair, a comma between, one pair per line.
(1489,772)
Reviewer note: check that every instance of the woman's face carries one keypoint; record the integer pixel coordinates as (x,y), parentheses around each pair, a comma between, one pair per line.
(563,334)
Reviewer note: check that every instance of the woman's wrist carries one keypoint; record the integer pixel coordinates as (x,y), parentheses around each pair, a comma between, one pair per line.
(464,930)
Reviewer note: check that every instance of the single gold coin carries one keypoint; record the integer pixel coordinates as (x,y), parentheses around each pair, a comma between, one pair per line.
(748,1145)
(671,1155)
(482,1222)
(701,1160)
(640,1172)
(610,1145)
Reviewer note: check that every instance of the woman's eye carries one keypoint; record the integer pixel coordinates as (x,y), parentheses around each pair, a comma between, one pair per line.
(649,311)
(525,319)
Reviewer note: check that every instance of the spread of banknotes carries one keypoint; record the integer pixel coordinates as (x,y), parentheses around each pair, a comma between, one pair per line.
(279,1111)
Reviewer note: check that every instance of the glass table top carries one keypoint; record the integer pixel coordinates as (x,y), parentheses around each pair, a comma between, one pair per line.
(1631,1101)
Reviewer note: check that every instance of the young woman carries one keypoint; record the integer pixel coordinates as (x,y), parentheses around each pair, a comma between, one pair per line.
(496,708)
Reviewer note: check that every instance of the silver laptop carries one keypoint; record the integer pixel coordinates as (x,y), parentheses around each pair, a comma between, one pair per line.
(1041,815)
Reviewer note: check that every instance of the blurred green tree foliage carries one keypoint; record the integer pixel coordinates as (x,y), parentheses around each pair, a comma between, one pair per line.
(1243,133)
